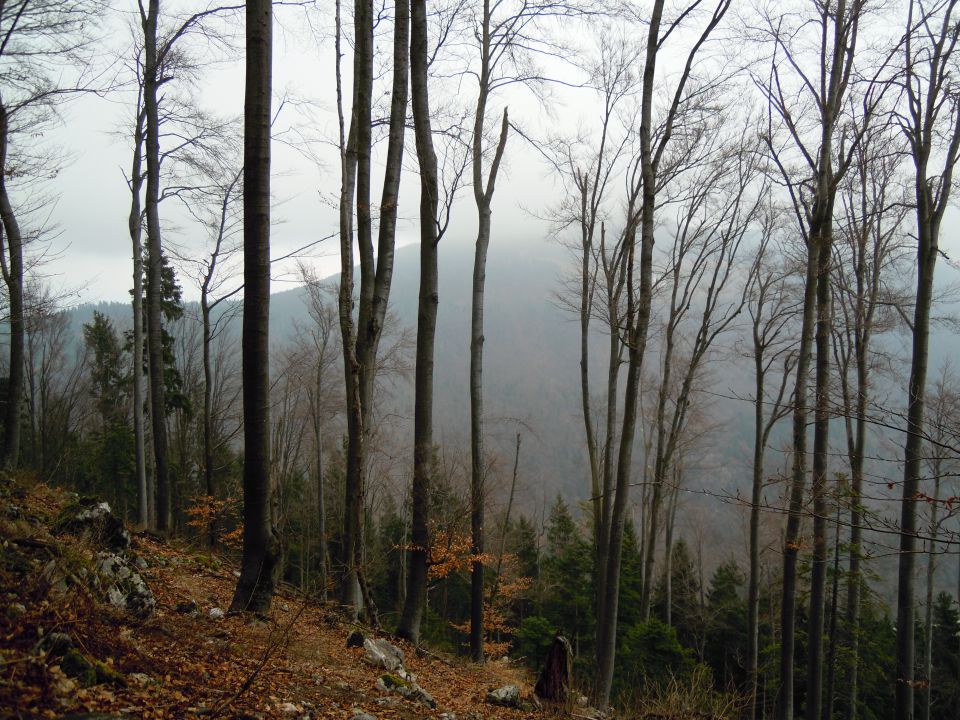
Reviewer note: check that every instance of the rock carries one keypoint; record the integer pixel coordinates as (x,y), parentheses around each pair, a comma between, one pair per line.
(289,708)
(583,701)
(355,639)
(188,607)
(361,715)
(140,679)
(284,607)
(56,576)
(215,614)
(95,520)
(75,665)
(56,644)
(140,563)
(380,653)
(506,696)
(122,586)
(404,686)
(448,716)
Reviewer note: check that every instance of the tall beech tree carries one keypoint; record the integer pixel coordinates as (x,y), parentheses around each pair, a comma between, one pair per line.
(260,564)
(867,259)
(806,89)
(930,120)
(510,36)
(655,141)
(772,310)
(361,334)
(415,601)
(719,206)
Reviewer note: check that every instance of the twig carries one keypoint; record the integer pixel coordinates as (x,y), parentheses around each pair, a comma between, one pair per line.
(267,652)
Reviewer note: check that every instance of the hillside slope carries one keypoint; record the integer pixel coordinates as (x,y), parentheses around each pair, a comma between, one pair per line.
(65,650)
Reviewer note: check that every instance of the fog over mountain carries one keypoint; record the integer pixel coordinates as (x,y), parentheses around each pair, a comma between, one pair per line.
(532,386)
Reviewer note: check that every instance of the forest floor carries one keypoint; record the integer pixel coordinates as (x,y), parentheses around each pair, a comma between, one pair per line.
(293,663)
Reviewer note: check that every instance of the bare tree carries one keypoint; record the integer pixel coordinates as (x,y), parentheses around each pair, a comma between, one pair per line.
(930,120)
(641,209)
(806,97)
(44,60)
(323,340)
(867,258)
(361,337)
(772,311)
(416,596)
(717,206)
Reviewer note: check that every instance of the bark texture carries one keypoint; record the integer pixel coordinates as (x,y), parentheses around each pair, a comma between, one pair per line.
(260,564)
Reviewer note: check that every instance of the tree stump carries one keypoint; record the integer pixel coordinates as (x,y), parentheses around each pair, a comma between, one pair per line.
(556,678)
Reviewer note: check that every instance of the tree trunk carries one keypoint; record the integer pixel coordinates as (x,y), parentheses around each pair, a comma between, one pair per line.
(260,565)
(834,612)
(483,196)
(151,81)
(136,366)
(321,497)
(928,609)
(791,547)
(360,344)
(13,276)
(821,443)
(416,592)
(928,232)
(477,468)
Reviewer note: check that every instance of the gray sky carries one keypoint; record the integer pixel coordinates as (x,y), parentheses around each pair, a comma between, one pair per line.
(91,253)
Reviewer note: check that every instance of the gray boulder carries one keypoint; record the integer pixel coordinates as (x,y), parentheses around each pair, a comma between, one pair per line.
(380,653)
(506,696)
(95,520)
(122,586)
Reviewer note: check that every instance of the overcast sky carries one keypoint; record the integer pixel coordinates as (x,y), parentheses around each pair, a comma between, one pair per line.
(91,253)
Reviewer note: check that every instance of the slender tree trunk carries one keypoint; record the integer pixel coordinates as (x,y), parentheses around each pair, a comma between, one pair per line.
(638,318)
(208,461)
(13,277)
(154,267)
(791,549)
(856,537)
(477,468)
(821,442)
(321,495)
(756,498)
(361,342)
(483,190)
(928,610)
(928,232)
(260,565)
(135,224)
(834,613)
(416,592)
(349,164)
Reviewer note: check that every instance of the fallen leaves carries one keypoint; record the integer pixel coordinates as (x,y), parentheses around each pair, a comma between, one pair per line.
(179,665)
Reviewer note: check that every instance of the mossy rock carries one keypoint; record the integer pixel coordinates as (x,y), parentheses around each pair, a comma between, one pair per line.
(109,674)
(75,665)
(86,672)
(394,681)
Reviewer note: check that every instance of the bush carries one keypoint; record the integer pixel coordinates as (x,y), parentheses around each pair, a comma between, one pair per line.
(650,653)
(533,639)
